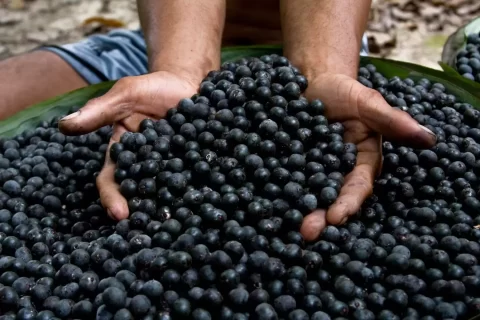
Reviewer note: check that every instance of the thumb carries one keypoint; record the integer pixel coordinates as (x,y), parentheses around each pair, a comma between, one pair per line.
(98,112)
(394,124)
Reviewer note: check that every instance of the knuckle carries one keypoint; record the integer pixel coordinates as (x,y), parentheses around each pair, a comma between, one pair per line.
(92,101)
(370,98)
(125,83)
(126,87)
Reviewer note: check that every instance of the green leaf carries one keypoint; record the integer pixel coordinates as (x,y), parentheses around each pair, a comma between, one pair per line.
(466,90)
(61,105)
(236,53)
(467,84)
(458,40)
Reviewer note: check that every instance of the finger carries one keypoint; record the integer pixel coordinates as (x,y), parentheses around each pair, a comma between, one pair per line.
(394,124)
(313,225)
(105,110)
(110,196)
(358,183)
(357,188)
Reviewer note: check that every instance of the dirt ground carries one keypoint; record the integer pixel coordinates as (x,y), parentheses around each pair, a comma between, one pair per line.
(408,30)
(57,21)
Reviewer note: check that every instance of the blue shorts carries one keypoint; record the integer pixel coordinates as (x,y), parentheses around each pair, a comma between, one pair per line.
(115,55)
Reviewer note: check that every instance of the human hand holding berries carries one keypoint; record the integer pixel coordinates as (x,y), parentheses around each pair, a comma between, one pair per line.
(366,117)
(128,102)
(176,67)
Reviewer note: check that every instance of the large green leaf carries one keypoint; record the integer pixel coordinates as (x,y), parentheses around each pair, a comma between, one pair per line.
(236,53)
(458,40)
(31,117)
(465,90)
(61,105)
(467,84)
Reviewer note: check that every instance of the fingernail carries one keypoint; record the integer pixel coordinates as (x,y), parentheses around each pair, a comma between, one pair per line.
(430,132)
(343,220)
(70,116)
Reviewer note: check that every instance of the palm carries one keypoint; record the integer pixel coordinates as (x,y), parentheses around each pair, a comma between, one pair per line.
(366,116)
(130,101)
(156,94)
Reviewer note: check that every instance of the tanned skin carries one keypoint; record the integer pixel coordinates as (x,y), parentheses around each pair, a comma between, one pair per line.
(331,32)
(183,36)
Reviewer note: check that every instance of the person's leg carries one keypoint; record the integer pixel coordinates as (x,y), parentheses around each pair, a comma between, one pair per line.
(33,77)
(53,70)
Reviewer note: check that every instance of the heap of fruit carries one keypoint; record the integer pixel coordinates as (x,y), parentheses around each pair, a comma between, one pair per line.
(217,193)
(468,60)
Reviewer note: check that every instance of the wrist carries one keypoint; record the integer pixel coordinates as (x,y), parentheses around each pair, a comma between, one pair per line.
(193,71)
(313,65)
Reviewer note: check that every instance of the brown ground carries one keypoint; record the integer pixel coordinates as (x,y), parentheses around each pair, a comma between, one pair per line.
(409,30)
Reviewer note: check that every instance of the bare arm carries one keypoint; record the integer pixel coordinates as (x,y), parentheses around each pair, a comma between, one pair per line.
(183,36)
(324,35)
(323,38)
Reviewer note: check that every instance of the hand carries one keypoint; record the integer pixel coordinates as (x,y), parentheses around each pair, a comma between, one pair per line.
(128,102)
(366,116)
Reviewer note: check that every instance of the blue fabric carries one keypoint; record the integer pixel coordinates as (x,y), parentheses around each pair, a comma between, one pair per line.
(112,56)
(115,55)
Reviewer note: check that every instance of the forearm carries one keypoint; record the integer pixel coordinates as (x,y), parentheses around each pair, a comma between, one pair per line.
(183,36)
(324,35)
